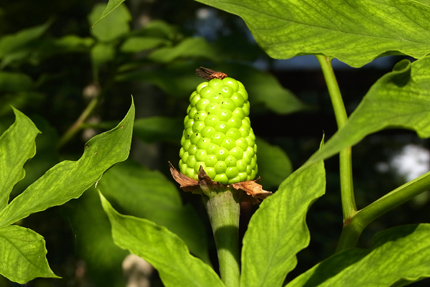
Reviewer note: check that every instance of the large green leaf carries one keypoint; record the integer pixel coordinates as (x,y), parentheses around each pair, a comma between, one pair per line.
(148,194)
(163,249)
(353,31)
(139,44)
(399,99)
(17,145)
(277,231)
(113,26)
(69,179)
(273,164)
(398,253)
(22,255)
(109,8)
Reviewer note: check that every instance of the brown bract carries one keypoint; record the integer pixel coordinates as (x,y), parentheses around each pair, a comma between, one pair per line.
(249,191)
(209,74)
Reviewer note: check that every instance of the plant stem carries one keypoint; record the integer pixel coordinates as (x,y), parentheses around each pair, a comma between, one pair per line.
(78,123)
(345,164)
(223,210)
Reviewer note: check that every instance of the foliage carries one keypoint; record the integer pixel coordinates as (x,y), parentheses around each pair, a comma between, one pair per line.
(147,214)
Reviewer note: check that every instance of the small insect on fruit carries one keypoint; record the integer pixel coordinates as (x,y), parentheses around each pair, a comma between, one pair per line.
(217,131)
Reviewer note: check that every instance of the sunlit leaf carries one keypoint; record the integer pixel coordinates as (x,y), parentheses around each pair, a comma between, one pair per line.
(355,32)
(397,254)
(163,249)
(277,231)
(109,8)
(114,26)
(399,99)
(23,255)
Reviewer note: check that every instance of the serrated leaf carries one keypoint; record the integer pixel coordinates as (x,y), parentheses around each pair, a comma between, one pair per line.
(161,248)
(155,129)
(113,26)
(148,194)
(399,99)
(273,164)
(23,255)
(277,231)
(355,32)
(69,179)
(398,253)
(17,145)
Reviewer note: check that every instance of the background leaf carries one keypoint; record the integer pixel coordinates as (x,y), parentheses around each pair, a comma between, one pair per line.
(109,8)
(69,179)
(398,253)
(17,145)
(273,164)
(113,26)
(15,82)
(277,231)
(155,129)
(23,255)
(399,99)
(163,249)
(338,28)
(148,194)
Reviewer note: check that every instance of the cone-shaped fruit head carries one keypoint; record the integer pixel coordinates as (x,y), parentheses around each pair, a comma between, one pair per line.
(217,133)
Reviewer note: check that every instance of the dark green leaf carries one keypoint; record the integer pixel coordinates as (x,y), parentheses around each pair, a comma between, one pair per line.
(163,249)
(355,32)
(144,193)
(158,129)
(277,231)
(138,44)
(398,253)
(11,82)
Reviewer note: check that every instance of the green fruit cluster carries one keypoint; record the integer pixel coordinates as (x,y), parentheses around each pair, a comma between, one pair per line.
(218,134)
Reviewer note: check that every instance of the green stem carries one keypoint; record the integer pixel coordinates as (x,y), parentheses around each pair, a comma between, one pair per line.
(352,230)
(223,210)
(78,123)
(346,184)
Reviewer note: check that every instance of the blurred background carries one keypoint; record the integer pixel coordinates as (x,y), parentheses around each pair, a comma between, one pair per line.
(54,67)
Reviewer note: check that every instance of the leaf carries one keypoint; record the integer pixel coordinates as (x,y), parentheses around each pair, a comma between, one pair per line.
(23,255)
(17,145)
(15,82)
(69,179)
(355,32)
(188,48)
(273,164)
(156,129)
(101,53)
(398,253)
(399,99)
(113,26)
(277,231)
(161,248)
(148,194)
(138,44)
(109,8)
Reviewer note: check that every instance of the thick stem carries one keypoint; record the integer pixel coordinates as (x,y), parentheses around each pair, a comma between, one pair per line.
(223,210)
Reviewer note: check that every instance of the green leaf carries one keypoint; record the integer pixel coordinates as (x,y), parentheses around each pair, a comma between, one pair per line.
(69,179)
(398,253)
(15,82)
(109,8)
(277,231)
(161,248)
(113,26)
(148,194)
(355,32)
(155,129)
(17,145)
(273,164)
(15,46)
(188,48)
(138,44)
(399,99)
(101,53)
(23,255)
